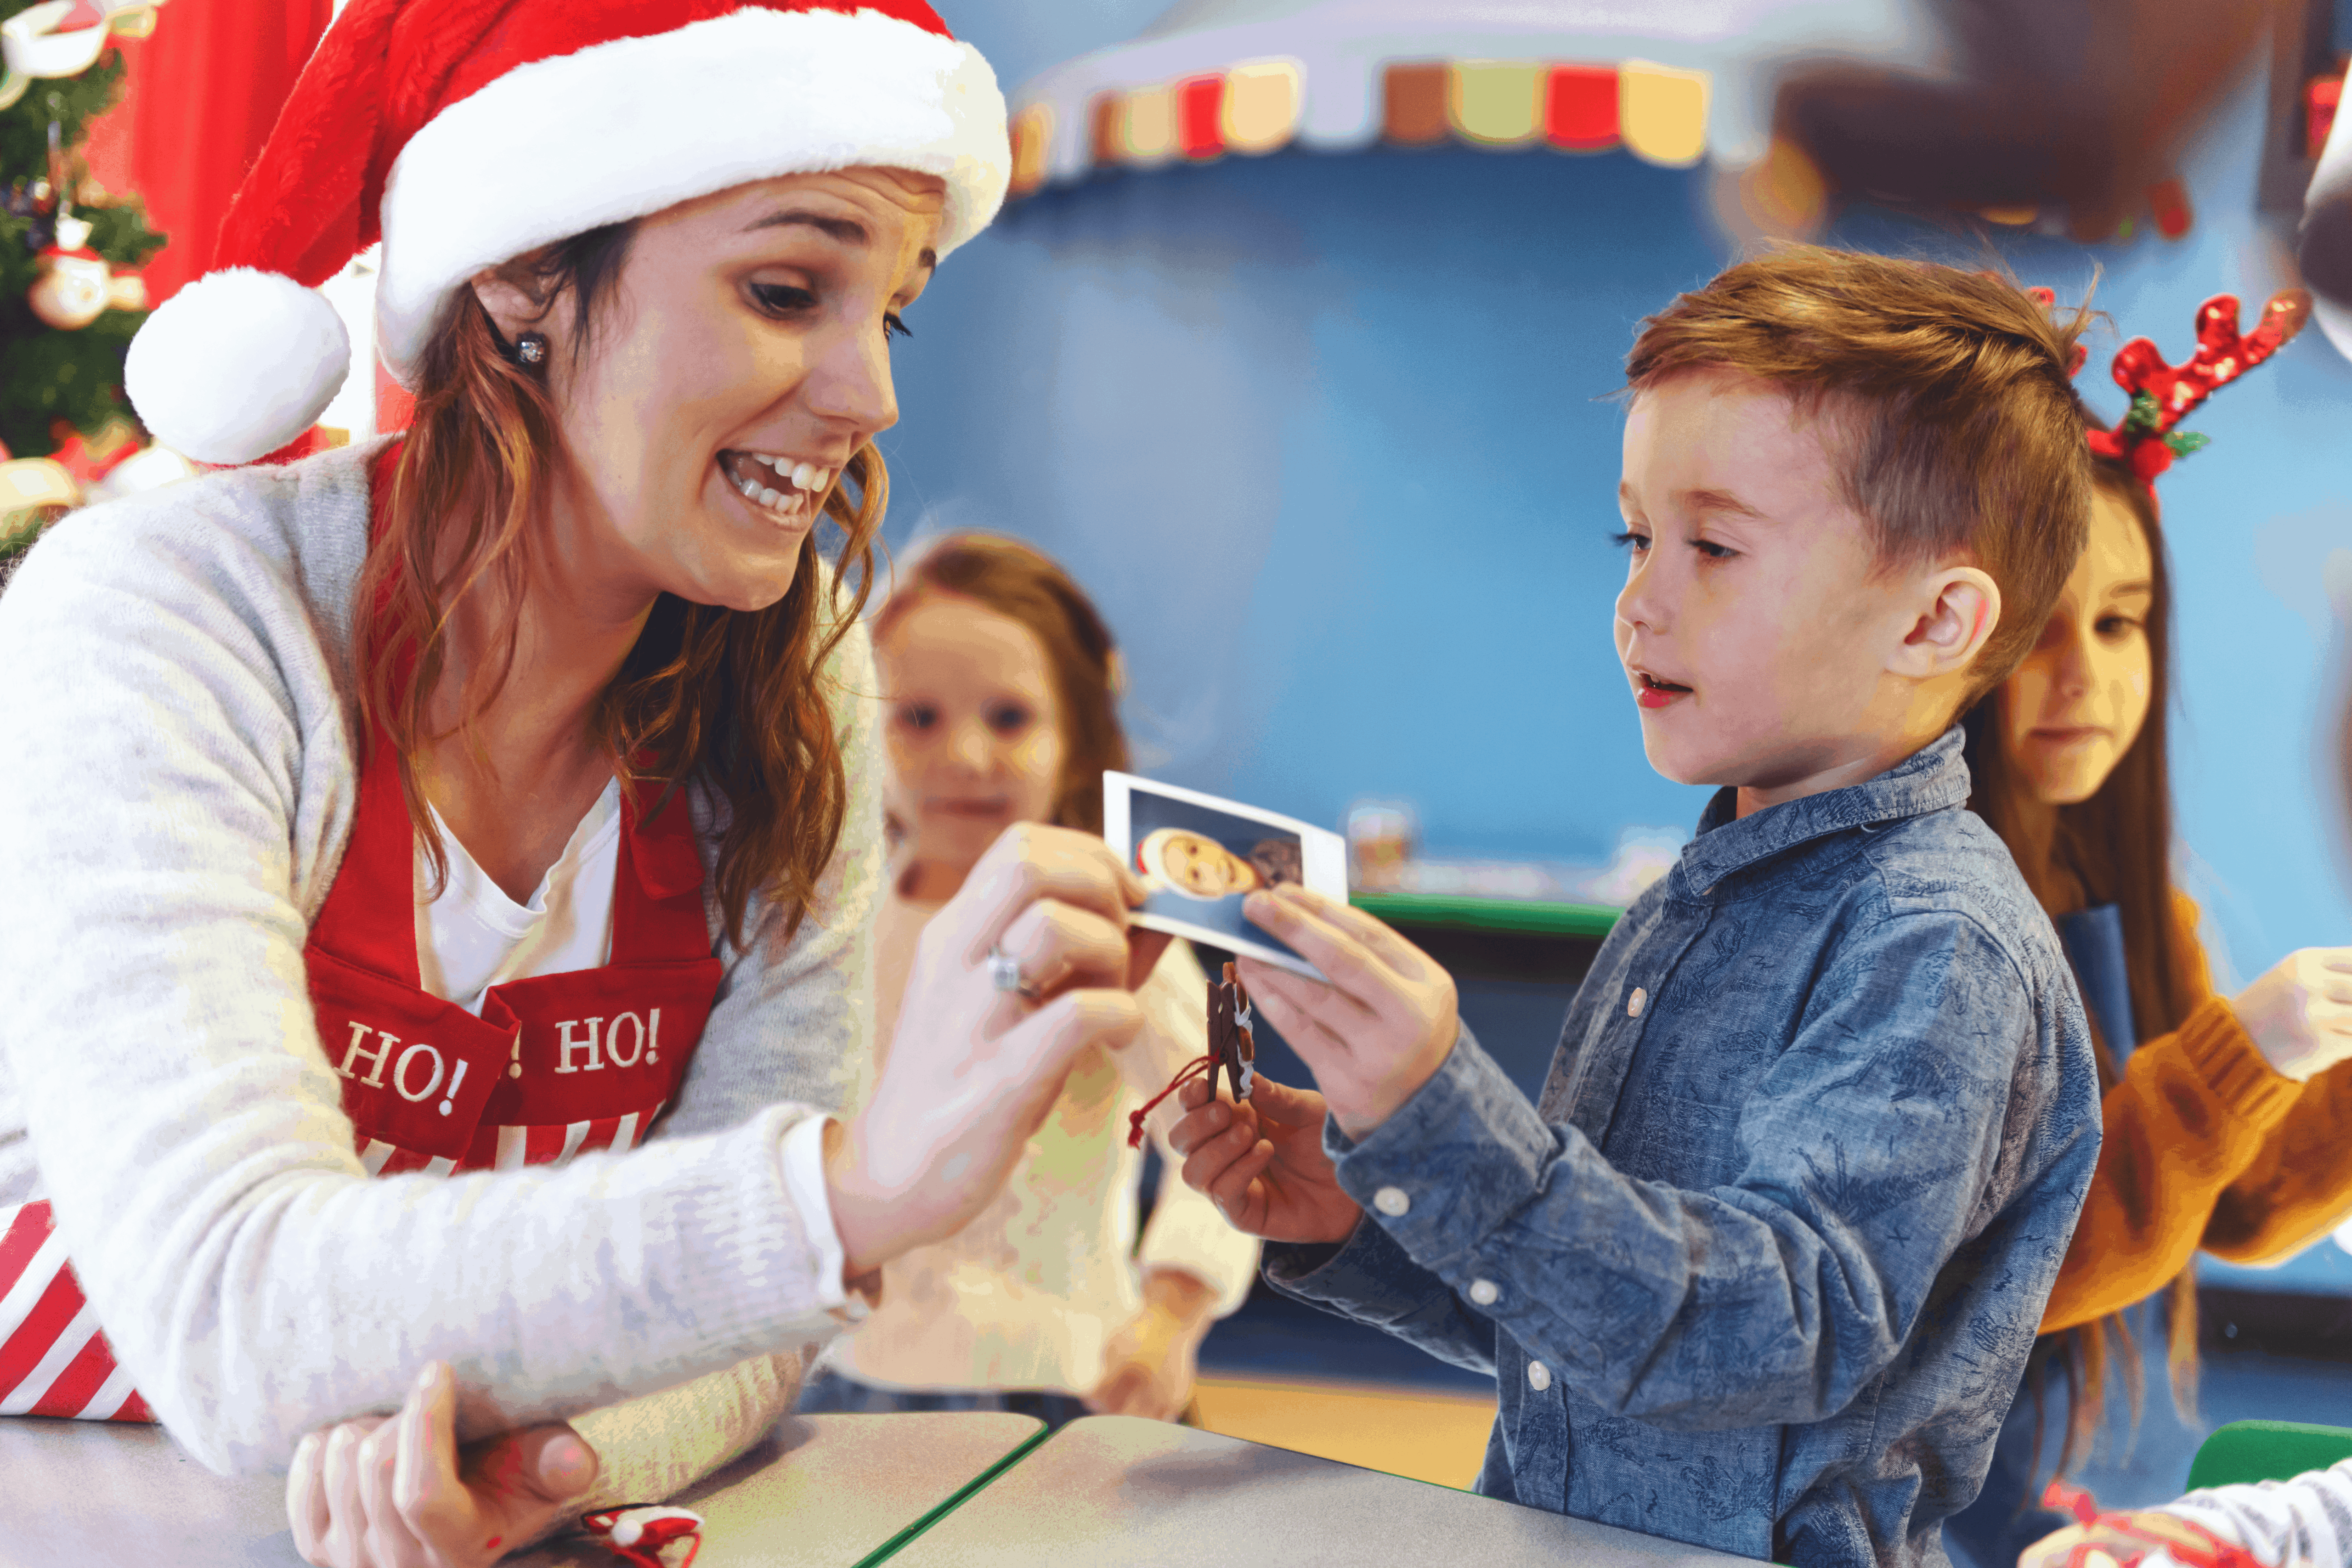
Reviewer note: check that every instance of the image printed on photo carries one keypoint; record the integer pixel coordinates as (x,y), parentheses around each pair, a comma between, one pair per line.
(1200,857)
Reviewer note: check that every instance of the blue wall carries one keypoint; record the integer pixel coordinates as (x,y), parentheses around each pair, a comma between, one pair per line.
(1323,435)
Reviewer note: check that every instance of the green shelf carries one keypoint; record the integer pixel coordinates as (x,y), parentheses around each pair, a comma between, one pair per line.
(1523,917)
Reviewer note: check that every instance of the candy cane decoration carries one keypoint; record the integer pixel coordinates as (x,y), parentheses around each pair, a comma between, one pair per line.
(639,1532)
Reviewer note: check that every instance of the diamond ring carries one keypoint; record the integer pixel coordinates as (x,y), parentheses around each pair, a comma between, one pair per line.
(1004,973)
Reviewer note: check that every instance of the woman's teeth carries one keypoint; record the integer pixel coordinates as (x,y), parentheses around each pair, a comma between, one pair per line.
(797,483)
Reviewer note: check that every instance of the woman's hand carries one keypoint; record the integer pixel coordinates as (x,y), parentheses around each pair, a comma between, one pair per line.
(2121,1540)
(1262,1162)
(973,1070)
(378,1493)
(2300,1014)
(1149,1363)
(1383,1027)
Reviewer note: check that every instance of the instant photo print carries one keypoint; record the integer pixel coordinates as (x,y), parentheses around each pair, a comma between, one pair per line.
(1200,857)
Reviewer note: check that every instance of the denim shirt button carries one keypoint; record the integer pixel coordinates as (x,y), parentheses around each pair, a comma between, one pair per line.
(1483,1293)
(1538,1376)
(1392,1201)
(1636,1002)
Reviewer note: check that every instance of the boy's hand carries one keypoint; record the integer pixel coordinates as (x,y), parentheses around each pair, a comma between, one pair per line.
(1383,1027)
(1262,1162)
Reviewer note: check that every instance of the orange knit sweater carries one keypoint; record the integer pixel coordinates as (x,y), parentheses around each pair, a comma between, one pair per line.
(2205,1147)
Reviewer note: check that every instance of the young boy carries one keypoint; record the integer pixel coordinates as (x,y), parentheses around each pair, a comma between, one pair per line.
(1761,1271)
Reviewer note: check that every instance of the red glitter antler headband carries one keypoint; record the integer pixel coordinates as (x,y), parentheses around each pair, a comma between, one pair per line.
(2161,394)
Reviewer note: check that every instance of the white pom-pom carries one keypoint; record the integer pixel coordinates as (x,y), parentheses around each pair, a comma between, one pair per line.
(236,364)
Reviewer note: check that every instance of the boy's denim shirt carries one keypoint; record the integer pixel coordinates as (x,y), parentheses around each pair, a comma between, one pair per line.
(1762,1272)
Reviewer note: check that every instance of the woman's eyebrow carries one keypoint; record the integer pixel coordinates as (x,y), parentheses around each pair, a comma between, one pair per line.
(842,230)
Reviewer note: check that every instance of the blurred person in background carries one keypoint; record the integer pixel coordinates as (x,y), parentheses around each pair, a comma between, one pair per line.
(2224,1117)
(1000,685)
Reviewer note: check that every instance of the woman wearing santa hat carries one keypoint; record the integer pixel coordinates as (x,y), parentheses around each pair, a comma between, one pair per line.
(397,841)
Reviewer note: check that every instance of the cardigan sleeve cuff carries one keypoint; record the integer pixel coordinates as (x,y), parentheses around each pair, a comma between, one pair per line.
(801,1152)
(2232,1066)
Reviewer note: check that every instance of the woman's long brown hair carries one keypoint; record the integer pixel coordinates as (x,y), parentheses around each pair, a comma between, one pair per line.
(1025,584)
(2118,845)
(729,700)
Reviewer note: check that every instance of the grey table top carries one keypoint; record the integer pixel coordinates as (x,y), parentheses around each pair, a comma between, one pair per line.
(826,1489)
(1144,1494)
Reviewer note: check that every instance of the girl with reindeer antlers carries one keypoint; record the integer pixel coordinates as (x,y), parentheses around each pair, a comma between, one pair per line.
(2215,1106)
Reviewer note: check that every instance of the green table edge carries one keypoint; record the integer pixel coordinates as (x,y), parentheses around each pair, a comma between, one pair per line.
(1526,916)
(954,1499)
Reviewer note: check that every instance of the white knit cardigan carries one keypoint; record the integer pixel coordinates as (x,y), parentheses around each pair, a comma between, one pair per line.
(180,716)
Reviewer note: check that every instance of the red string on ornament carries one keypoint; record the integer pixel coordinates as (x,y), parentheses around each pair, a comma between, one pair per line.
(1185,1074)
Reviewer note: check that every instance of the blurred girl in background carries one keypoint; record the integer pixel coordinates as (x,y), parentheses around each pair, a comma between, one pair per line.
(1000,685)
(2223,1124)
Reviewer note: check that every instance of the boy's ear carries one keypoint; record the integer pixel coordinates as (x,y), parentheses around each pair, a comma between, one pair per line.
(1963,608)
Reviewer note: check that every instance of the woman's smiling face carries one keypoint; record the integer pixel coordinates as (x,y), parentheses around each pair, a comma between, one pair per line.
(741,357)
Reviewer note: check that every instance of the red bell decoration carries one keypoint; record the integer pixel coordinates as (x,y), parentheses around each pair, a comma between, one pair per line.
(70,291)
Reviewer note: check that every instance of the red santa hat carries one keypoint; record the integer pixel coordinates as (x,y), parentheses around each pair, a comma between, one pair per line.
(466,132)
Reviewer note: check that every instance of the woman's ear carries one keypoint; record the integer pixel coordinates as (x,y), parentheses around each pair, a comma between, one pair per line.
(512,309)
(1958,620)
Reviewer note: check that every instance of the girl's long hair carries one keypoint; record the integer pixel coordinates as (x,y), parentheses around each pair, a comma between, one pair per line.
(1023,583)
(2118,845)
(732,701)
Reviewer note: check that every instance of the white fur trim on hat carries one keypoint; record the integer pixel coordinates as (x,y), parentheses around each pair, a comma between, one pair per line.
(236,364)
(626,129)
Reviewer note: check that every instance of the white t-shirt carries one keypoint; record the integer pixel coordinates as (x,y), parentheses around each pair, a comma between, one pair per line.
(474,936)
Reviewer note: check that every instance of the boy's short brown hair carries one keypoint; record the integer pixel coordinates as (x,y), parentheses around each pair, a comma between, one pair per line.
(1961,432)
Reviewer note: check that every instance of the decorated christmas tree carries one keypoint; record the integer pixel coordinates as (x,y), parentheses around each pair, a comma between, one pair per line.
(70,297)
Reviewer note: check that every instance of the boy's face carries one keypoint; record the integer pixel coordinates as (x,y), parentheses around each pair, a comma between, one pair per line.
(1750,627)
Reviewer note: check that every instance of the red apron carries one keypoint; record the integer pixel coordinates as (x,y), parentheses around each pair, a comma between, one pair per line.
(555,1065)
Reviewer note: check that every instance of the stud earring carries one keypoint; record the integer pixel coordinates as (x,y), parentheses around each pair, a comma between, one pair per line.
(531,348)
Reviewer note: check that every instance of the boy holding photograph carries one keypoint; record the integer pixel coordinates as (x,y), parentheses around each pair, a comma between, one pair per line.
(1760,1271)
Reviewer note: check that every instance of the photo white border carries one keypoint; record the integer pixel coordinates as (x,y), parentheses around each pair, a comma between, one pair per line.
(1323,857)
